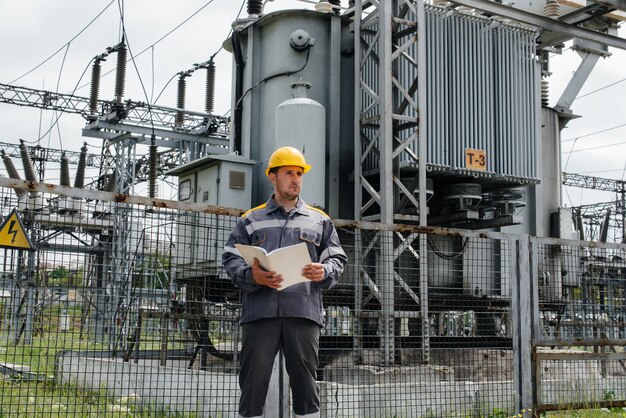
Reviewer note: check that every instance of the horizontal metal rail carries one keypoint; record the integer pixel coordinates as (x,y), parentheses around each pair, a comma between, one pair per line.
(545,23)
(595,183)
(130,111)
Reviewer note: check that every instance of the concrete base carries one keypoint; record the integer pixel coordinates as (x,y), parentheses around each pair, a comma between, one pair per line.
(405,391)
(358,392)
(164,389)
(417,399)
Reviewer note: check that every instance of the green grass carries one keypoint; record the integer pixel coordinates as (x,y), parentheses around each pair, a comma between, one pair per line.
(30,399)
(21,398)
(588,413)
(49,398)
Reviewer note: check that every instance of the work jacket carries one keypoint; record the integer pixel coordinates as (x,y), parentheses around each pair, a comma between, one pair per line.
(269,226)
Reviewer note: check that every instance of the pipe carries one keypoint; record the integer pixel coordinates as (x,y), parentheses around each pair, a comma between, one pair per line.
(239,67)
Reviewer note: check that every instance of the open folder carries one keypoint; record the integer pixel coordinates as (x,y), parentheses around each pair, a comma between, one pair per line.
(287,261)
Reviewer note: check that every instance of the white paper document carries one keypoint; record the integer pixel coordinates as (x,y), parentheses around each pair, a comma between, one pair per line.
(287,261)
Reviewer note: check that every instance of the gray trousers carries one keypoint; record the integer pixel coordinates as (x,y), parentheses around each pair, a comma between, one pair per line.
(298,338)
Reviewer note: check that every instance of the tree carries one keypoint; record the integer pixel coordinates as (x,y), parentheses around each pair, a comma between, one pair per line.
(58,276)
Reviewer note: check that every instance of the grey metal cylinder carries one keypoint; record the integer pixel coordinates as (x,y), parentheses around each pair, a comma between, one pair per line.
(272,65)
(300,123)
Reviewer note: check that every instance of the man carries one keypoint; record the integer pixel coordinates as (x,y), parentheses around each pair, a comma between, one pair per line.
(289,320)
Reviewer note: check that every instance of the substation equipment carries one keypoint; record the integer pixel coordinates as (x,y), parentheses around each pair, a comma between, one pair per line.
(367,93)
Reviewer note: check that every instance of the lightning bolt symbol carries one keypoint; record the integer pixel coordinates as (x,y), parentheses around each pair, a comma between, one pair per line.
(13,232)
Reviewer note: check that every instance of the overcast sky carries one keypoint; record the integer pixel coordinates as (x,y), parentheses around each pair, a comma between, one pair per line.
(34,30)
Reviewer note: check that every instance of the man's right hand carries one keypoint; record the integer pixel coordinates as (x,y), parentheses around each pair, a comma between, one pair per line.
(265,278)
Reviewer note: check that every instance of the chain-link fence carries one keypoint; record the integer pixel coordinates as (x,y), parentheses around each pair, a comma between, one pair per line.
(579,349)
(123,308)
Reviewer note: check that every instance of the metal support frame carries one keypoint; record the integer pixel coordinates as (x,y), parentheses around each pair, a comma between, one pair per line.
(22,313)
(138,113)
(121,262)
(592,213)
(521,308)
(390,36)
(590,54)
(198,135)
(546,23)
(595,183)
(618,4)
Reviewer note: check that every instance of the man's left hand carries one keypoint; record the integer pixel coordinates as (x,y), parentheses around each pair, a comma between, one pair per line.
(313,272)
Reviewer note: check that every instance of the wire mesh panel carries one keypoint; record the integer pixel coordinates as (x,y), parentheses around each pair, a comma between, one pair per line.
(580,357)
(373,357)
(123,307)
(120,308)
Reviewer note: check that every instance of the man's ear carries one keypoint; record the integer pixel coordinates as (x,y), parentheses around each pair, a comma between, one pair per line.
(272,177)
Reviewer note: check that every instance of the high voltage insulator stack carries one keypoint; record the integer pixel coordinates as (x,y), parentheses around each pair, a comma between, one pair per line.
(29,169)
(12,171)
(152,175)
(65,171)
(120,75)
(95,86)
(79,181)
(210,86)
(335,3)
(255,7)
(180,101)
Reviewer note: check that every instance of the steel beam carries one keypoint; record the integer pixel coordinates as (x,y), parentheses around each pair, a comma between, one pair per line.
(577,82)
(617,4)
(595,183)
(544,23)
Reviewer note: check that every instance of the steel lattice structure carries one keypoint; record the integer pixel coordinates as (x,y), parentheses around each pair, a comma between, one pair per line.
(388,126)
(132,112)
(594,183)
(603,215)
(123,126)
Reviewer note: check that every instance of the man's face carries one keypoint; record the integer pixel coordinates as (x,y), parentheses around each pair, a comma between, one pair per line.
(287,182)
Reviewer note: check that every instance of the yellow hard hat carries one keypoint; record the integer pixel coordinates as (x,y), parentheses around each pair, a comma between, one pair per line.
(287,156)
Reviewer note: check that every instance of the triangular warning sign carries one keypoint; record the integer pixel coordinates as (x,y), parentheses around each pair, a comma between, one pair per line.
(13,234)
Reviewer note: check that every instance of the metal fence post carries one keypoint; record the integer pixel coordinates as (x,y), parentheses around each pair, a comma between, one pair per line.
(521,309)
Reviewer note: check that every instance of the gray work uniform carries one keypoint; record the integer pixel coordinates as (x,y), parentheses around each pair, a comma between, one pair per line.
(270,317)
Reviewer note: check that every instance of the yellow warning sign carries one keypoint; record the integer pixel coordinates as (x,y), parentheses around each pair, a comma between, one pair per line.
(475,159)
(13,234)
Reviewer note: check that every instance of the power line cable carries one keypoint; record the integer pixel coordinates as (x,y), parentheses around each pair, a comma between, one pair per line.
(593,133)
(152,68)
(593,148)
(62,113)
(57,89)
(164,87)
(134,62)
(271,77)
(600,171)
(600,89)
(212,56)
(570,154)
(230,31)
(64,45)
(160,39)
